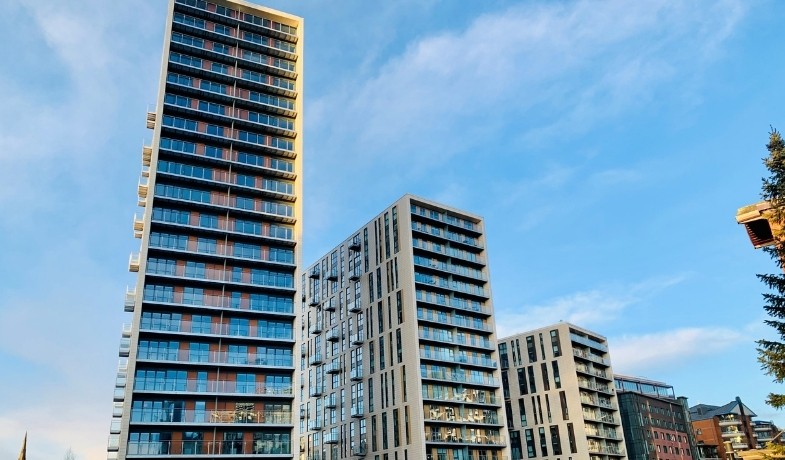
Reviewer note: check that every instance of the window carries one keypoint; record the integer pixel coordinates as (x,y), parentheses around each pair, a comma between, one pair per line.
(531,349)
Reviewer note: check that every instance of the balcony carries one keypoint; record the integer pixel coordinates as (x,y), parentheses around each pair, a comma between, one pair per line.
(314,425)
(147,155)
(134,260)
(142,188)
(314,273)
(130,299)
(358,338)
(732,432)
(138,226)
(215,357)
(354,275)
(151,117)
(729,420)
(355,244)
(330,402)
(125,347)
(303,350)
(316,328)
(331,437)
(333,335)
(330,305)
(211,386)
(590,356)
(355,307)
(303,414)
(356,374)
(315,359)
(357,411)
(228,449)
(315,391)
(189,416)
(314,300)
(360,450)
(333,367)
(332,275)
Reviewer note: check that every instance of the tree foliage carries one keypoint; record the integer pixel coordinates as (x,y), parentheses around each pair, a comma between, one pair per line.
(771,353)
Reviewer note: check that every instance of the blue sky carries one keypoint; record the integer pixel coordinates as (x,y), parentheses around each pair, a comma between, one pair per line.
(607,144)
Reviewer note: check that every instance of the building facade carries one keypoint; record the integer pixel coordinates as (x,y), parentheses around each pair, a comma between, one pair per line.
(207,363)
(656,423)
(717,428)
(559,395)
(765,432)
(397,344)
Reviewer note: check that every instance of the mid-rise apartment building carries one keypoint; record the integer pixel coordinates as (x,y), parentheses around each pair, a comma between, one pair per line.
(559,395)
(207,364)
(656,423)
(765,432)
(397,345)
(718,429)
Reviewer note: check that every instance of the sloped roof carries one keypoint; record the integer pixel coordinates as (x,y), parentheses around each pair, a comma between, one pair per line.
(707,411)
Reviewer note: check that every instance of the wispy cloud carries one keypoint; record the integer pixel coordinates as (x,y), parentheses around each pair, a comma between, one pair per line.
(531,74)
(585,308)
(632,354)
(55,136)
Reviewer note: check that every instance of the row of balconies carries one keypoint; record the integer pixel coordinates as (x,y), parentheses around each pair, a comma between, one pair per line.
(193,417)
(211,386)
(230,449)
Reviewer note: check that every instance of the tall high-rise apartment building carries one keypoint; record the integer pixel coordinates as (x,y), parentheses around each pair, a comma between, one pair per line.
(559,395)
(397,344)
(208,359)
(656,423)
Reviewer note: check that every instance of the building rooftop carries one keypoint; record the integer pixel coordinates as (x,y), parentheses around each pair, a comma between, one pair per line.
(707,411)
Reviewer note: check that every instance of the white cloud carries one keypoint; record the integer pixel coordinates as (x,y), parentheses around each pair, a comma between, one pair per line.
(531,74)
(55,136)
(586,308)
(632,354)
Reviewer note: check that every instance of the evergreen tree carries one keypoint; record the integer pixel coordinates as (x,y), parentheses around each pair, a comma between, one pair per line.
(771,354)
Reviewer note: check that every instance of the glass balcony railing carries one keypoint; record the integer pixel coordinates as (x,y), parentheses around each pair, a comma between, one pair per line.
(211,386)
(222,329)
(185,416)
(211,448)
(215,357)
(457,358)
